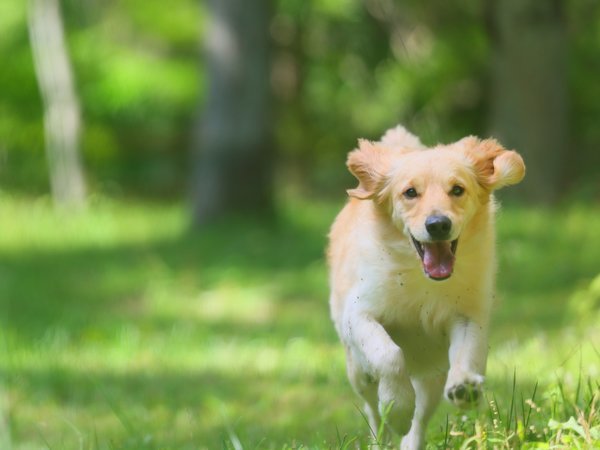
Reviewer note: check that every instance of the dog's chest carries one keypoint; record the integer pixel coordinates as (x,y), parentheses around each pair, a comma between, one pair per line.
(410,301)
(424,350)
(417,314)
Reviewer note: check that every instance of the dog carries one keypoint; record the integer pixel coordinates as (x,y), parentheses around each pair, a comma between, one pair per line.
(412,274)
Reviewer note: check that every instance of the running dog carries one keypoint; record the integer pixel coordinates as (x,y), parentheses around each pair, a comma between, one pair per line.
(412,274)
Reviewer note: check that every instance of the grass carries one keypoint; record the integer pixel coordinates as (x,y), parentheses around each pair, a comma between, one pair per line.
(122,329)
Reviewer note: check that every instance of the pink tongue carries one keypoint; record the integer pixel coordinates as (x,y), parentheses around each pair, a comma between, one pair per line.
(438,259)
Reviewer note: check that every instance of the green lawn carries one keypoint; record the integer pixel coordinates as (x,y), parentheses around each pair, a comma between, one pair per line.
(123,329)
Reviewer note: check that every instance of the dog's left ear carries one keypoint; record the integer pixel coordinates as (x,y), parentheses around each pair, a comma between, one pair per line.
(495,166)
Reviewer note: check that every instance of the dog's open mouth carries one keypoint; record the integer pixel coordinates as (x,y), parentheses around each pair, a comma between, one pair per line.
(437,257)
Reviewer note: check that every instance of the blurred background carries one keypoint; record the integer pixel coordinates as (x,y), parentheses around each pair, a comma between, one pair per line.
(168,173)
(274,94)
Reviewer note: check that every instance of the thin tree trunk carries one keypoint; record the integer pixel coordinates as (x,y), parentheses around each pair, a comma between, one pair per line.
(61,107)
(233,166)
(529,90)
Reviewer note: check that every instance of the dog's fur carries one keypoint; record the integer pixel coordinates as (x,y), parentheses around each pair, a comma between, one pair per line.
(408,336)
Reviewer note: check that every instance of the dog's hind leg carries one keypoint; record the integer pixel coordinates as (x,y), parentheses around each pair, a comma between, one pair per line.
(428,392)
(365,385)
(396,402)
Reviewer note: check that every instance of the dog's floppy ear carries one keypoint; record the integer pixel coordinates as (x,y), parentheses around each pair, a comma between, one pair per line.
(369,164)
(495,166)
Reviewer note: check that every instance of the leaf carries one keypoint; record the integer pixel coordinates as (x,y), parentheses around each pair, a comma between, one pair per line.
(570,424)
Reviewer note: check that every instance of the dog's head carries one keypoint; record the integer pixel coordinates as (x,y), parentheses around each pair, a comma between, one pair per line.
(432,194)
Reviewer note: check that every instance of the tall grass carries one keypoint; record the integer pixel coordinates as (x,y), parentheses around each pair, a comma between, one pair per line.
(123,329)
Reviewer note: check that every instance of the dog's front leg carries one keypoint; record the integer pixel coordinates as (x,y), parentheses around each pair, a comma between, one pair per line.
(467,356)
(383,360)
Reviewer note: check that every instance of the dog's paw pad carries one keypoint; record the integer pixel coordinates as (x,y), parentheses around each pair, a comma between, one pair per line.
(465,394)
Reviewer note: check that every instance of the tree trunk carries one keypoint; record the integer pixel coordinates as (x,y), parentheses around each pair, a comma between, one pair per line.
(529,90)
(233,157)
(61,107)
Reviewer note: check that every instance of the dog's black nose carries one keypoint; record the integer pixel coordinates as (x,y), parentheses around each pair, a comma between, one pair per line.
(438,227)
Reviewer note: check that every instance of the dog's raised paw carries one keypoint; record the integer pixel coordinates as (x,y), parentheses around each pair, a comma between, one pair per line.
(465,394)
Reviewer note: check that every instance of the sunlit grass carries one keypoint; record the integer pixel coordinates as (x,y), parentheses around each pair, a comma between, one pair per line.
(124,329)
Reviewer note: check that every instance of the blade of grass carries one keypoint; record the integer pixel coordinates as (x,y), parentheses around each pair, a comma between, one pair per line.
(512,401)
(578,388)
(447,431)
(531,405)
(261,442)
(496,410)
(365,418)
(490,407)
(123,419)
(381,430)
(522,409)
(343,442)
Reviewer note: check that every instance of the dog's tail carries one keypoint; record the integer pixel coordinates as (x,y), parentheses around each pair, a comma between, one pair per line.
(399,138)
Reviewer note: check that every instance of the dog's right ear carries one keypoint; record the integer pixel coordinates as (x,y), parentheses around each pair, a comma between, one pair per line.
(369,164)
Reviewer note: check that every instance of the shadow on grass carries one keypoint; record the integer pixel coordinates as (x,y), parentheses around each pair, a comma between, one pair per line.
(191,409)
(185,408)
(90,294)
(74,288)
(153,287)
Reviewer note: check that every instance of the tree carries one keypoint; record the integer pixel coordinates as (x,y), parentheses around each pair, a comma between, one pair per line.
(61,106)
(529,90)
(233,156)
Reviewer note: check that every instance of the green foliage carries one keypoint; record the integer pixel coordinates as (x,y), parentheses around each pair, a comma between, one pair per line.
(136,73)
(124,329)
(585,303)
(341,69)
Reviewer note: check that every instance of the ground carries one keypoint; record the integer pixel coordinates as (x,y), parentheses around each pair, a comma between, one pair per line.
(122,328)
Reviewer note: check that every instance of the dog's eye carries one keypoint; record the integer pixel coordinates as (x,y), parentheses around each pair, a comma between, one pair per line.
(410,193)
(457,191)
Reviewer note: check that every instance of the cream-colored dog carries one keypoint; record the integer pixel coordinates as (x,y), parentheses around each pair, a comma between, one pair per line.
(412,263)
